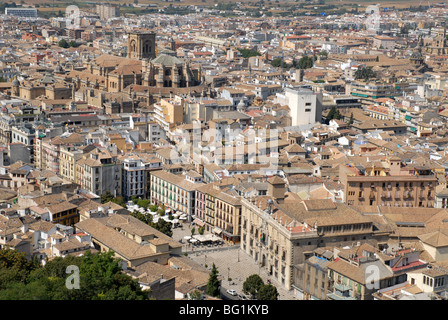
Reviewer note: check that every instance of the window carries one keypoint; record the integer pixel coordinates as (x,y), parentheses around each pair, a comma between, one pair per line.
(307,110)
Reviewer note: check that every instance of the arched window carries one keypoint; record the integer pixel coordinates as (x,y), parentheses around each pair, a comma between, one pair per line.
(147,47)
(133,46)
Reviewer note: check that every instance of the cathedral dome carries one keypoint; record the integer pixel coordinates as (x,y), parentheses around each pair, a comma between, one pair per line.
(167,60)
(416,55)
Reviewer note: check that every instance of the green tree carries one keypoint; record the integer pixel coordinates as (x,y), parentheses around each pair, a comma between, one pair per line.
(277,62)
(163,226)
(73,44)
(100,277)
(144,203)
(14,267)
(247,53)
(252,285)
(195,295)
(331,113)
(213,284)
(323,53)
(337,115)
(63,43)
(334,113)
(365,74)
(350,122)
(267,292)
(120,201)
(201,230)
(305,62)
(106,197)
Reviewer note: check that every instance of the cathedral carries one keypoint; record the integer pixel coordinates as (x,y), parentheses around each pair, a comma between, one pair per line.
(437,45)
(142,75)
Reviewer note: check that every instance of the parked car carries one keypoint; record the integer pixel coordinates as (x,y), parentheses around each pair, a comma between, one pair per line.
(231,292)
(242,297)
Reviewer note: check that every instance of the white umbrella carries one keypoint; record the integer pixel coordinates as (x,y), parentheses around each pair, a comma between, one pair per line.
(175,221)
(187,237)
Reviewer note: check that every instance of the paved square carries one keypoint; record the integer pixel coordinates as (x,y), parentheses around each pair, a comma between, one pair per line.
(231,261)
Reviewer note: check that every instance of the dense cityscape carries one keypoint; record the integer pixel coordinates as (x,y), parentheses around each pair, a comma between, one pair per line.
(205,150)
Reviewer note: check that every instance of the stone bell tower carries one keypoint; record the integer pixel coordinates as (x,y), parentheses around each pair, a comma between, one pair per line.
(141,45)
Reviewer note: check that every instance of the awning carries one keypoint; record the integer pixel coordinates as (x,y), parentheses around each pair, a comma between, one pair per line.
(199,222)
(217,230)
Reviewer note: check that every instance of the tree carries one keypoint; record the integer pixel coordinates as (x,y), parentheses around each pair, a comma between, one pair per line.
(267,292)
(73,44)
(201,230)
(106,197)
(276,63)
(193,230)
(252,285)
(120,201)
(323,53)
(213,284)
(144,203)
(305,62)
(350,122)
(100,277)
(163,226)
(337,115)
(63,43)
(331,114)
(14,267)
(365,73)
(195,295)
(247,53)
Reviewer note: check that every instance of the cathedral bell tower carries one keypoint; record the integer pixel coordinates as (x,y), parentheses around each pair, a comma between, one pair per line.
(141,46)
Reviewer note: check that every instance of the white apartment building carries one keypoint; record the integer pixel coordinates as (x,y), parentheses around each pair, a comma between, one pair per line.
(304,104)
(133,178)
